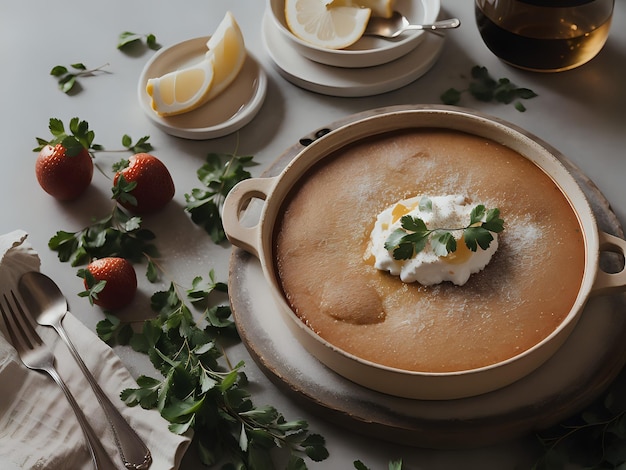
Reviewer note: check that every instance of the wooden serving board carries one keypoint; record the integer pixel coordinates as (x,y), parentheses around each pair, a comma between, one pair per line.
(578,373)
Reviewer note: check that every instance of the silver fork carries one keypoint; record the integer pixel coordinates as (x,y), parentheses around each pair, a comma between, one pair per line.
(36,356)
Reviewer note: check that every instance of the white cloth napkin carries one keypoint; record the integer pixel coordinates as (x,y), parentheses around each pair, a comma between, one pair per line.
(38,429)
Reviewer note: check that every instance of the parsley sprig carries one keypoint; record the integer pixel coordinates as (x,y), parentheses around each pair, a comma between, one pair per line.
(484,87)
(141,146)
(128,38)
(393,465)
(117,234)
(219,174)
(67,75)
(197,392)
(594,438)
(411,238)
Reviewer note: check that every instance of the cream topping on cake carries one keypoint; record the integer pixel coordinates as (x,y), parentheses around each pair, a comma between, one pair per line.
(449,212)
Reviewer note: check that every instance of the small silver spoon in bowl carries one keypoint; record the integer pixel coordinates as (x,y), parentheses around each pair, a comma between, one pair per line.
(397,24)
(47,305)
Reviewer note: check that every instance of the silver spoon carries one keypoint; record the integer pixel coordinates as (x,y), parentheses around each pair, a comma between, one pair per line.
(48,306)
(397,24)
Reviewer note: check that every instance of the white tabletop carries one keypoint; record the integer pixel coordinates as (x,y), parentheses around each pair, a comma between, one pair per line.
(581,112)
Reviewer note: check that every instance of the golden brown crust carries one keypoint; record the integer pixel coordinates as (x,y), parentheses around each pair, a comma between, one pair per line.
(517,300)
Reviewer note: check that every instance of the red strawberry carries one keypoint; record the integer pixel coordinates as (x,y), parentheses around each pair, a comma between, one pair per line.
(144,185)
(119,286)
(63,174)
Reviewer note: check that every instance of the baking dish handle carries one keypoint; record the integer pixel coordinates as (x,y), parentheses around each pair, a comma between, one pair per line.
(246,237)
(609,283)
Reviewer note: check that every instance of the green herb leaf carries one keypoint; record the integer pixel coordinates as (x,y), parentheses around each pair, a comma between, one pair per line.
(395,465)
(493,222)
(141,146)
(219,174)
(93,287)
(122,191)
(443,242)
(58,70)
(67,80)
(127,38)
(477,236)
(484,87)
(451,96)
(151,42)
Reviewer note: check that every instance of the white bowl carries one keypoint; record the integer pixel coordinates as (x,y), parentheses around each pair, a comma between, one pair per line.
(367,51)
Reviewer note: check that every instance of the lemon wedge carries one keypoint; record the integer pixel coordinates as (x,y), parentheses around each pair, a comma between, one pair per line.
(322,24)
(227,51)
(186,89)
(382,8)
(181,91)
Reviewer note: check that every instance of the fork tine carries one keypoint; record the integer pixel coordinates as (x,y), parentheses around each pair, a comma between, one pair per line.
(26,324)
(17,343)
(22,330)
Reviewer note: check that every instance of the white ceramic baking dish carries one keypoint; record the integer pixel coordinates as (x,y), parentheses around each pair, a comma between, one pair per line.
(258,240)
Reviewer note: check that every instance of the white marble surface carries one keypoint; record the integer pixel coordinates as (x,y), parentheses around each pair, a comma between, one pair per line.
(582,113)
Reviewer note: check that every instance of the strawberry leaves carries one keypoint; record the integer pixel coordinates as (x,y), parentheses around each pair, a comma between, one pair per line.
(79,138)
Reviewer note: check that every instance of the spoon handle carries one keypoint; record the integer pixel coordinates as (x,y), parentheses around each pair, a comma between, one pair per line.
(443,24)
(99,456)
(135,455)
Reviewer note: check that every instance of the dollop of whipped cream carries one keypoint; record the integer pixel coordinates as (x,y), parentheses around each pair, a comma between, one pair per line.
(427,268)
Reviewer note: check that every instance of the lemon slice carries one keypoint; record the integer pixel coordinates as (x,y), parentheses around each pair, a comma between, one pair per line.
(186,89)
(324,25)
(181,91)
(227,51)
(382,8)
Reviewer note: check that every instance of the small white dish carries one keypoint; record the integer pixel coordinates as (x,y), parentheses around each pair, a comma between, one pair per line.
(228,112)
(349,82)
(367,51)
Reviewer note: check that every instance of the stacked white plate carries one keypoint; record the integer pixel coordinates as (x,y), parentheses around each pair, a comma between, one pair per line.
(370,66)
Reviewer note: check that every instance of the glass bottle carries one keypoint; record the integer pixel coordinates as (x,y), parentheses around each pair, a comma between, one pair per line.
(544,35)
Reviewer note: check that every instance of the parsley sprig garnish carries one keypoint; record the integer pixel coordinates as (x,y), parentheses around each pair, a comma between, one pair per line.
(219,174)
(412,237)
(484,87)
(67,75)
